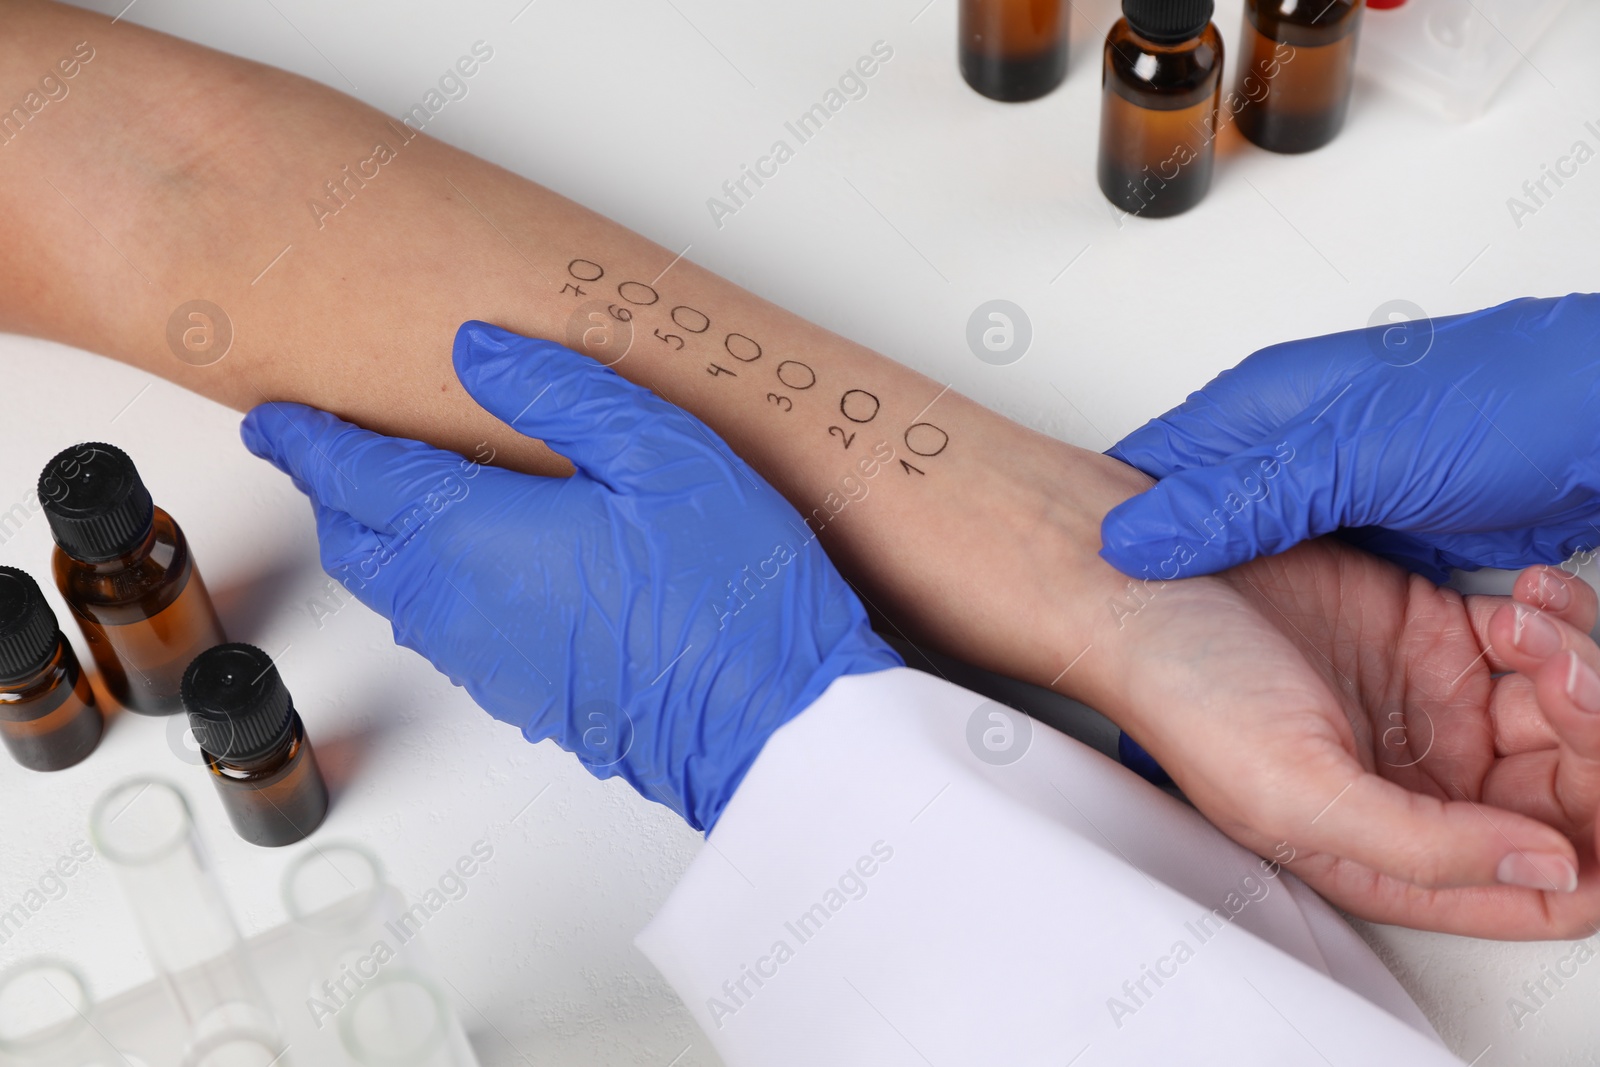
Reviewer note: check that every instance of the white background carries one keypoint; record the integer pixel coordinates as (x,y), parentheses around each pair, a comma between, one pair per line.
(913,206)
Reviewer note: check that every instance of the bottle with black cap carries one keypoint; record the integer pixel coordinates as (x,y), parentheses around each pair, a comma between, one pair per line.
(1162,83)
(254,744)
(124,568)
(47,715)
(1013,50)
(1292,90)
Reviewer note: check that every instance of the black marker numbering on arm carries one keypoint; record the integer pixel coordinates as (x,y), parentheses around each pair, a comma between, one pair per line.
(858,405)
(742,348)
(926,439)
(796,375)
(638,293)
(589,333)
(689,320)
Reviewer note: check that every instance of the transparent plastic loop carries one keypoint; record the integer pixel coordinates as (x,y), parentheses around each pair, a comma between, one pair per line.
(343,913)
(238,1048)
(144,829)
(400,1020)
(44,1011)
(334,890)
(141,822)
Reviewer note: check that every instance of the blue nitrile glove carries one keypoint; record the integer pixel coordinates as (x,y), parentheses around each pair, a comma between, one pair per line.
(1470,441)
(659,614)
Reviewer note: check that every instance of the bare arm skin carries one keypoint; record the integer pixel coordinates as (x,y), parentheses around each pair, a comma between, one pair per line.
(170,173)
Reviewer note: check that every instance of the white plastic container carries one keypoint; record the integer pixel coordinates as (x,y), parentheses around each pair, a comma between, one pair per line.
(1452,55)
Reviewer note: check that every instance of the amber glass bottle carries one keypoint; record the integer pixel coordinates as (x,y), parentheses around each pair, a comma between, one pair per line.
(254,745)
(1014,50)
(1161,84)
(1296,69)
(124,568)
(47,715)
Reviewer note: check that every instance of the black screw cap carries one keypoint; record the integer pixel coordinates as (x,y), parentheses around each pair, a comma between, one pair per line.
(1168,21)
(28,631)
(238,706)
(97,505)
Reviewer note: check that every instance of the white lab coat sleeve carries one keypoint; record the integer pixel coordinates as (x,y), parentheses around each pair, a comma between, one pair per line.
(877,893)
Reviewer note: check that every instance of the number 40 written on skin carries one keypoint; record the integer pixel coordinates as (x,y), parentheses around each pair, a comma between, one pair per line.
(683,328)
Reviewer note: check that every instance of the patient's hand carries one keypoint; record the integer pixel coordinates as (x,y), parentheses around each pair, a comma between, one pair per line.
(1329,707)
(1286,697)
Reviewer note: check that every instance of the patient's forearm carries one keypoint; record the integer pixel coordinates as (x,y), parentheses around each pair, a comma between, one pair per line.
(345,248)
(170,173)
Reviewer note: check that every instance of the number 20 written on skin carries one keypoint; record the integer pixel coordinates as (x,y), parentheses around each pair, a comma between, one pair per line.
(740,353)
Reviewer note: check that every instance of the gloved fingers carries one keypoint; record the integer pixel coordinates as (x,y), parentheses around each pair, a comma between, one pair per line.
(357,557)
(615,432)
(1242,406)
(1200,432)
(382,482)
(1431,842)
(1257,502)
(1559,594)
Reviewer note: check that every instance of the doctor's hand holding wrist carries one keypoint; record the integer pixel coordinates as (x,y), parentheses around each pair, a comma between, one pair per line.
(663,612)
(1462,442)
(659,614)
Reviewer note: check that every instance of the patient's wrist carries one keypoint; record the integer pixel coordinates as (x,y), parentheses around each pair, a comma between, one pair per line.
(1100,633)
(1018,546)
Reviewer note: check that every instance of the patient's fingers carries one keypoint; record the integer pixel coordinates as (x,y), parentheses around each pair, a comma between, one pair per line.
(1558,784)
(1568,687)
(1554,591)
(1522,638)
(1562,664)
(1519,723)
(1502,913)
(1335,808)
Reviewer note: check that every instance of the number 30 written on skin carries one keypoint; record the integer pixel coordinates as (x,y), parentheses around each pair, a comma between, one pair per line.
(858,407)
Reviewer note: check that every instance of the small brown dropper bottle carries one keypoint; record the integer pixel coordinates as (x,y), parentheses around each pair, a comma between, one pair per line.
(1161,85)
(124,568)
(1014,50)
(1297,68)
(47,715)
(254,745)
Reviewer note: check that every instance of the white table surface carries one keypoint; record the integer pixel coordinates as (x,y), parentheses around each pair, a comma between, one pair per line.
(913,206)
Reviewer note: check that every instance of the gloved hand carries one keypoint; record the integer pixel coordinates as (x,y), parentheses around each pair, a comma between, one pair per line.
(659,614)
(1471,441)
